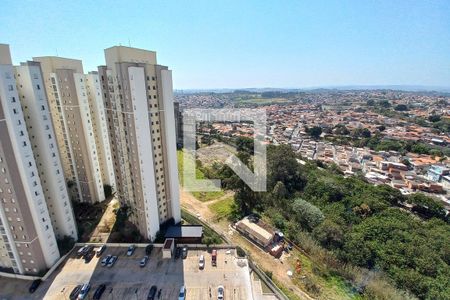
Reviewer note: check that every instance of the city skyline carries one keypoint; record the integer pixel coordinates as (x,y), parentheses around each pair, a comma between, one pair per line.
(296,45)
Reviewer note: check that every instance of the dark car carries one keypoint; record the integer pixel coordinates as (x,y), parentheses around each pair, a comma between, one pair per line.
(148,249)
(74,294)
(152,293)
(87,251)
(99,291)
(88,257)
(178,253)
(184,252)
(34,285)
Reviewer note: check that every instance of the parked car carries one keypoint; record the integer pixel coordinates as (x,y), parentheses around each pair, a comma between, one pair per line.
(88,250)
(220,292)
(105,260)
(184,252)
(214,258)
(99,291)
(112,261)
(88,257)
(201,262)
(131,250)
(152,293)
(149,249)
(177,253)
(74,294)
(143,261)
(82,251)
(34,285)
(182,294)
(84,291)
(100,250)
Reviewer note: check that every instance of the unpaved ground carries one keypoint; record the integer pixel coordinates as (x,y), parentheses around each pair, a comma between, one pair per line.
(103,229)
(218,152)
(278,267)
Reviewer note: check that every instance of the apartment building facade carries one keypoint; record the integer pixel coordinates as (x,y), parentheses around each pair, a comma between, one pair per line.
(27,240)
(138,98)
(68,97)
(98,118)
(30,86)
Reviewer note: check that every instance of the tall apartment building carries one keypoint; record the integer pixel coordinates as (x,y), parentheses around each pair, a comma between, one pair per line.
(98,118)
(140,114)
(27,240)
(178,125)
(68,97)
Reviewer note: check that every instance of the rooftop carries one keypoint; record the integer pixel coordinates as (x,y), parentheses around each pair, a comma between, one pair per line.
(192,231)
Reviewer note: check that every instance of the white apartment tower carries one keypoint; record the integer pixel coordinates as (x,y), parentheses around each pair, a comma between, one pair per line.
(68,98)
(138,97)
(27,239)
(98,118)
(33,98)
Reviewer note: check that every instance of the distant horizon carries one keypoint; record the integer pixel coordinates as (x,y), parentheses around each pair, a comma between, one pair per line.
(394,87)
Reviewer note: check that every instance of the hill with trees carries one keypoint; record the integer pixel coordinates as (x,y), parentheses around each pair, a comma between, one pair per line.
(358,225)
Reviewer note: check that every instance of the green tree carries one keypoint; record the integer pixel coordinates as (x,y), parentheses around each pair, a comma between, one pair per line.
(426,206)
(434,118)
(329,234)
(315,132)
(308,215)
(245,144)
(401,107)
(282,166)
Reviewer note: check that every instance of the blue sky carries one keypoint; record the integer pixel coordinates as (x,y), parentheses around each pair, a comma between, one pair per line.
(235,44)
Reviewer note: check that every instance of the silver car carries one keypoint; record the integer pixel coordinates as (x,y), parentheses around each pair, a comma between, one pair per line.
(220,292)
(143,261)
(111,261)
(84,291)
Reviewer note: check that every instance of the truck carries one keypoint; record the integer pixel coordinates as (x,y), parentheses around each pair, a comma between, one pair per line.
(214,258)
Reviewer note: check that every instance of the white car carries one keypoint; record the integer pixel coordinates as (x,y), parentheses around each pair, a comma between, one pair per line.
(201,262)
(220,292)
(131,250)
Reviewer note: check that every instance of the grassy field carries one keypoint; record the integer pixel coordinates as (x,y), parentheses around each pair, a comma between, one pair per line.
(222,208)
(202,196)
(263,101)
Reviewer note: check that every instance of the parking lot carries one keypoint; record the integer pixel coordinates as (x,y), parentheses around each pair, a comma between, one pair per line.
(127,280)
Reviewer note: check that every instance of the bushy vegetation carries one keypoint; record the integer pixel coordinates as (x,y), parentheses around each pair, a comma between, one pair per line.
(378,143)
(357,226)
(202,196)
